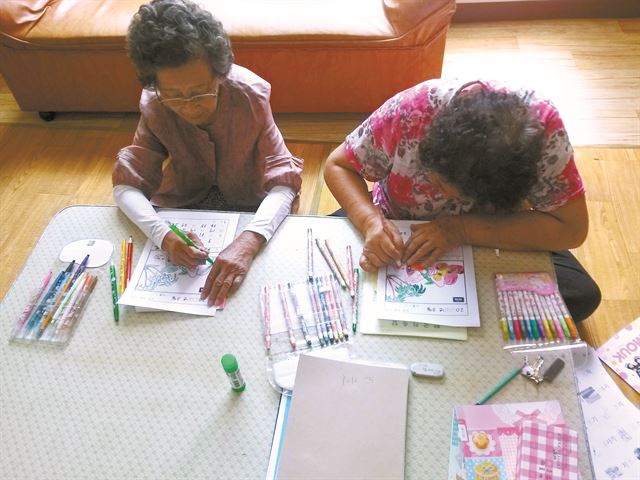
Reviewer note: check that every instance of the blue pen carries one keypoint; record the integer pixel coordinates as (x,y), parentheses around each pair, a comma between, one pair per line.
(80,269)
(47,301)
(39,311)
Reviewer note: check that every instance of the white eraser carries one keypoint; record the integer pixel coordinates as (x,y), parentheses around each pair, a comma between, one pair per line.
(425,369)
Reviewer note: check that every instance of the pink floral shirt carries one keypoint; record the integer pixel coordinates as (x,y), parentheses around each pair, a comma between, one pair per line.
(384,149)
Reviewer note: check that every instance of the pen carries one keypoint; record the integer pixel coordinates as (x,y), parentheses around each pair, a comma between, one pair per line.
(80,269)
(66,282)
(322,336)
(334,296)
(114,293)
(352,286)
(67,299)
(325,320)
(301,320)
(287,318)
(33,303)
(266,316)
(356,281)
(309,253)
(332,308)
(187,240)
(332,266)
(74,310)
(335,328)
(123,266)
(499,386)
(507,333)
(336,260)
(71,305)
(567,316)
(555,311)
(48,298)
(129,259)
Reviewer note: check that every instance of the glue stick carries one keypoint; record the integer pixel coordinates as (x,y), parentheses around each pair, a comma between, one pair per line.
(230,365)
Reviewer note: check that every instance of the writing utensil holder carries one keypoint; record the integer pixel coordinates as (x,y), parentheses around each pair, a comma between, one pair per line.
(532,313)
(54,308)
(300,317)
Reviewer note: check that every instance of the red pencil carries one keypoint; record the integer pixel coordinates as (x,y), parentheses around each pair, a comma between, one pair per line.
(129,257)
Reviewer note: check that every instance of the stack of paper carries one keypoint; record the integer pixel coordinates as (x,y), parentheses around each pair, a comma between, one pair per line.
(347,420)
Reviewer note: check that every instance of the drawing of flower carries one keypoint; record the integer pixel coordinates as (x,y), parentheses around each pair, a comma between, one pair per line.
(443,273)
(399,289)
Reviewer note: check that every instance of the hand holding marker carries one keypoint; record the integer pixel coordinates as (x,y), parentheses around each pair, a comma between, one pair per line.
(188,241)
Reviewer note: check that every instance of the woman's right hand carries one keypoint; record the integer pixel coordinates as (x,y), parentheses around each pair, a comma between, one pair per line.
(382,243)
(179,253)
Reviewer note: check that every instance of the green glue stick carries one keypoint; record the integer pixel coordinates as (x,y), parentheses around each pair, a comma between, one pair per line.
(230,365)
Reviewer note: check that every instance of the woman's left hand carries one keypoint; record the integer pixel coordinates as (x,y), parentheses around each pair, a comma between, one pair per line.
(429,241)
(230,267)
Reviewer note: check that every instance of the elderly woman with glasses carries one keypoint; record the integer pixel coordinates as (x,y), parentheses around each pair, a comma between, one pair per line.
(206,140)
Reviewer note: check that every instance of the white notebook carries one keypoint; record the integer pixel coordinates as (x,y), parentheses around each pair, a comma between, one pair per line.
(347,421)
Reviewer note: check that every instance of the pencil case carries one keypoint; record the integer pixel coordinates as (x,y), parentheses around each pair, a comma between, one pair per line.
(54,308)
(532,311)
(301,317)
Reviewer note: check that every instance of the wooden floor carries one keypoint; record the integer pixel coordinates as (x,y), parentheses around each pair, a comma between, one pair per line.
(590,68)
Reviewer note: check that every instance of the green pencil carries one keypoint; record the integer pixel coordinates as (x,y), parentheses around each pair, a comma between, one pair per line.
(499,386)
(187,240)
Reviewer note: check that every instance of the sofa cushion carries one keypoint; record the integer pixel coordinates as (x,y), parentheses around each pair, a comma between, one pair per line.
(329,55)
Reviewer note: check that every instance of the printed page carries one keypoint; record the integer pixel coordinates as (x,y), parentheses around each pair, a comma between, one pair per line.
(443,293)
(612,422)
(622,353)
(347,421)
(158,284)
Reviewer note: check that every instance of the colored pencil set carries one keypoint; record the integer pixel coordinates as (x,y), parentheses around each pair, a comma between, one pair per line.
(126,257)
(348,277)
(532,310)
(55,306)
(299,316)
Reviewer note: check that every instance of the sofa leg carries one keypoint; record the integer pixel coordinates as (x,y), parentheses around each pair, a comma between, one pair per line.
(47,116)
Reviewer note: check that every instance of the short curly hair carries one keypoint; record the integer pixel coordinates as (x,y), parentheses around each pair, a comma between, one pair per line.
(487,145)
(171,33)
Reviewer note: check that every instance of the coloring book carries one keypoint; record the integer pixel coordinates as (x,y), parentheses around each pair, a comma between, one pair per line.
(442,294)
(158,284)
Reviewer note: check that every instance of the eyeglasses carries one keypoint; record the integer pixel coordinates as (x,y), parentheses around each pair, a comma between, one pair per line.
(180,102)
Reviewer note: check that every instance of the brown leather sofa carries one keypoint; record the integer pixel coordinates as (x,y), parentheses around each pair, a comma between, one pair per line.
(318,55)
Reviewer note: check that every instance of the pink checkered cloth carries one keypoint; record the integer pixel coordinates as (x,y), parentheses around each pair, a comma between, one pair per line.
(547,452)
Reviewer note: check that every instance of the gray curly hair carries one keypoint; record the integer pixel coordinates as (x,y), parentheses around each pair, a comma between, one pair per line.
(170,33)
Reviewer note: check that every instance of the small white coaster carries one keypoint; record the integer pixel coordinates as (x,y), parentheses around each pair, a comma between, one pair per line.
(99,252)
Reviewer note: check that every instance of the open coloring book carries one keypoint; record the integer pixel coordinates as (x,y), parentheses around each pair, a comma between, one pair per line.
(158,284)
(442,294)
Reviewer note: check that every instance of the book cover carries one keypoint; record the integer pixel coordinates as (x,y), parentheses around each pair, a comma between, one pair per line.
(490,435)
(547,452)
(622,353)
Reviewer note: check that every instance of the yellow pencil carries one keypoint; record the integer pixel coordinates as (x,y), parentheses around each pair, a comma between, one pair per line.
(123,267)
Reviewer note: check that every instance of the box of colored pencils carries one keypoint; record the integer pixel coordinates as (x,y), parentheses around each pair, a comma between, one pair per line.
(532,311)
(303,315)
(55,306)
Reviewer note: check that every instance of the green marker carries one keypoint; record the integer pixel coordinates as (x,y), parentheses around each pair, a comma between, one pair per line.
(230,365)
(499,386)
(187,240)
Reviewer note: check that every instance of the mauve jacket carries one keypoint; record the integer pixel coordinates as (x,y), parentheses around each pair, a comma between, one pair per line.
(175,163)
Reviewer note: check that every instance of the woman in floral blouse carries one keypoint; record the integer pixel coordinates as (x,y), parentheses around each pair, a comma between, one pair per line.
(488,165)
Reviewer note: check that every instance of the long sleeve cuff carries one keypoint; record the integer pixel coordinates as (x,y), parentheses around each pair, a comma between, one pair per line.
(273,209)
(140,211)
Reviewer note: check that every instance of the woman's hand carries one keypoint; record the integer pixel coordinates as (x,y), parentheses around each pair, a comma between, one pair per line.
(179,253)
(230,268)
(382,243)
(429,241)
